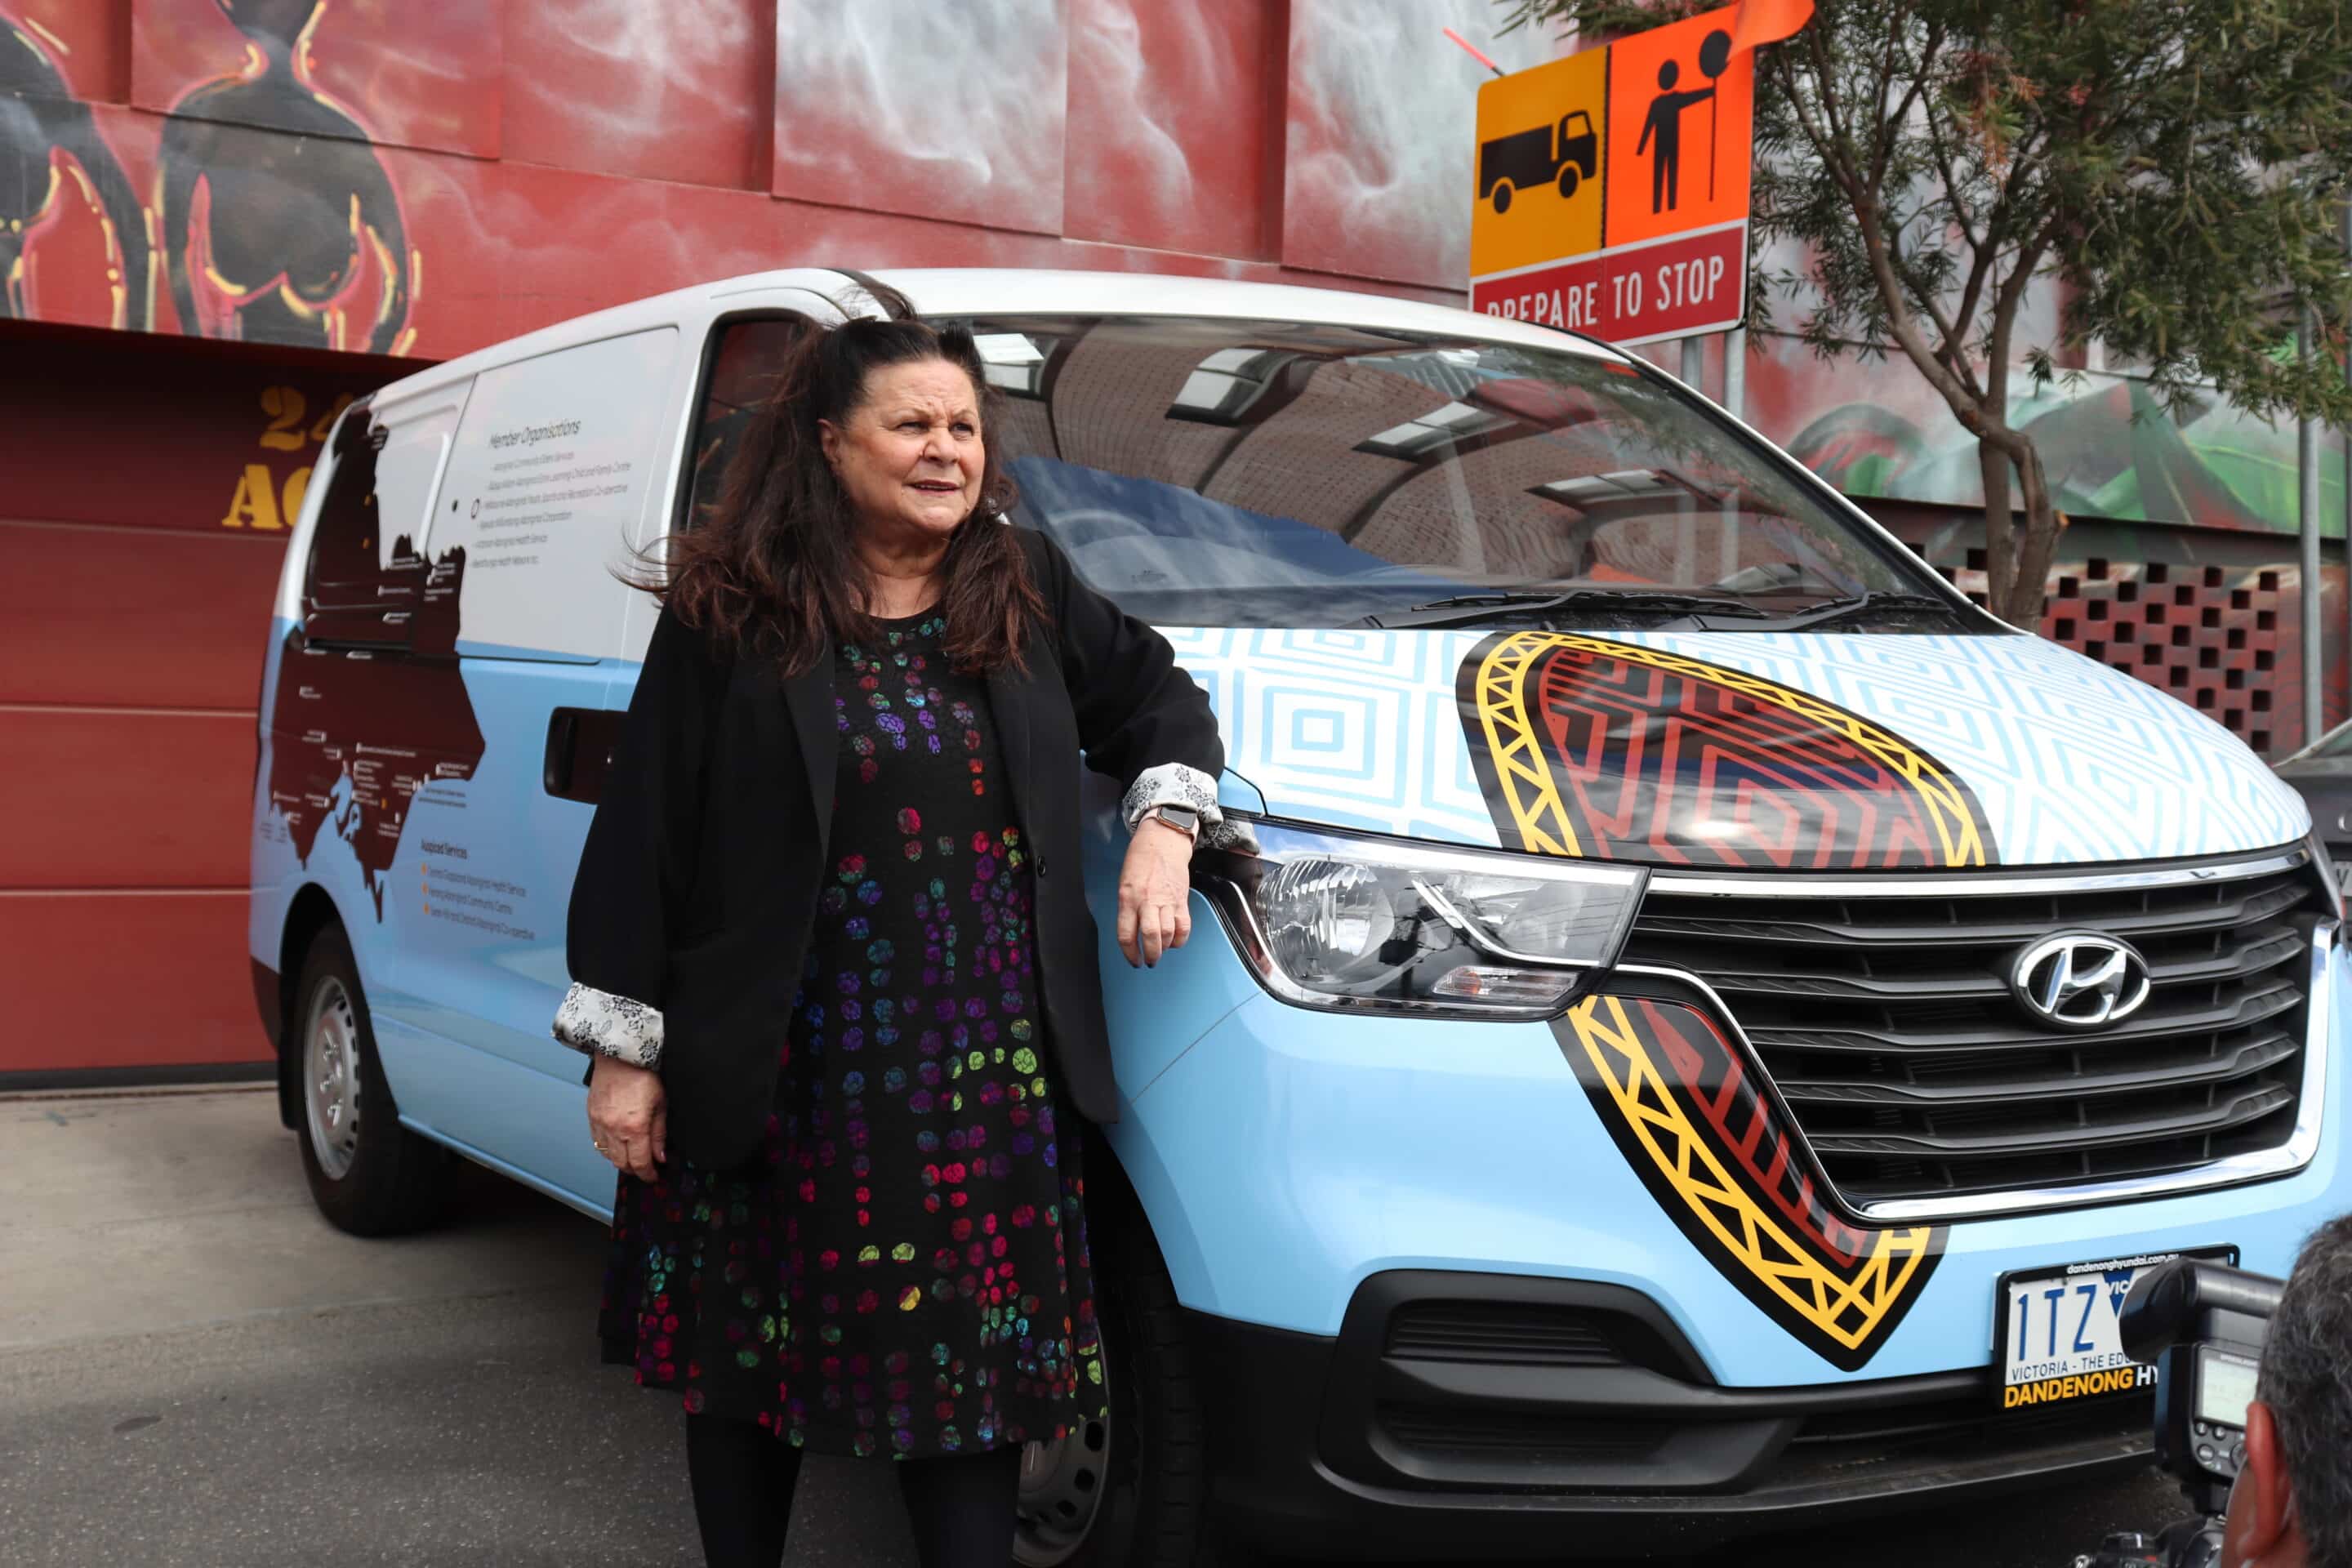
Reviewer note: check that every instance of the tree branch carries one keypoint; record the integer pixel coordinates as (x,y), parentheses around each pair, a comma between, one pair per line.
(1942,155)
(1825,72)
(1982,235)
(1925,296)
(1971,296)
(1825,143)
(1906,328)
(2004,328)
(1881,145)
(1893,128)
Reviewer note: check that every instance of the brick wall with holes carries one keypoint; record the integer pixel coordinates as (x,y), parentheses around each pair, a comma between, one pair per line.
(2213,617)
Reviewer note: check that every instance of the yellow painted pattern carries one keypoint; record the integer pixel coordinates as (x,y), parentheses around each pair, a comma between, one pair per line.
(1525,771)
(1516,747)
(1847,1311)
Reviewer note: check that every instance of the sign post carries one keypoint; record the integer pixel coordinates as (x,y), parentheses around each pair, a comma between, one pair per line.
(1612,185)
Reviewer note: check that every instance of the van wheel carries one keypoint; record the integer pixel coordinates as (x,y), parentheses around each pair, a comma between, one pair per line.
(1568,175)
(1130,1491)
(1502,197)
(369,1174)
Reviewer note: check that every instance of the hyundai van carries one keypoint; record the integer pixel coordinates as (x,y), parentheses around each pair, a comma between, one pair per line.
(1701,1031)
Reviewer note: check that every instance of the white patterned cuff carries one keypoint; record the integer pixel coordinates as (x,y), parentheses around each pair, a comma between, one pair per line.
(604,1024)
(1173,783)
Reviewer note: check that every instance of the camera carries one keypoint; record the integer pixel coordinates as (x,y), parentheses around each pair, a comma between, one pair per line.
(2201,1325)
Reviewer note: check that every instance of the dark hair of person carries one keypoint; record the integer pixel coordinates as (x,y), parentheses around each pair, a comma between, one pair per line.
(776,566)
(2306,1380)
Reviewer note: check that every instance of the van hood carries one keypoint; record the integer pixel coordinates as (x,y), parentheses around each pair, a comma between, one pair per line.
(1733,751)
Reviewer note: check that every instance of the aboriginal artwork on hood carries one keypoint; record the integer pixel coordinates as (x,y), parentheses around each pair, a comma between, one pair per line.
(1592,747)
(427,179)
(1587,746)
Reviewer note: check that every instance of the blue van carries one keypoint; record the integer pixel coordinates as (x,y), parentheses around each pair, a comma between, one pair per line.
(1708,1027)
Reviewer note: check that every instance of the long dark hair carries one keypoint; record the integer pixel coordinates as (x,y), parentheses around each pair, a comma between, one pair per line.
(776,568)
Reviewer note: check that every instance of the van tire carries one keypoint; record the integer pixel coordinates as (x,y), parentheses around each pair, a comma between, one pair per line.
(369,1174)
(1502,197)
(1569,176)
(1153,1512)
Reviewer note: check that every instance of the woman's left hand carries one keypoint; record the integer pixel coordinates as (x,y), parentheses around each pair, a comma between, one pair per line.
(1155,887)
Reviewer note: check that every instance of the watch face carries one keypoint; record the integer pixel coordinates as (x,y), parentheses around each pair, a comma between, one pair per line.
(1182,817)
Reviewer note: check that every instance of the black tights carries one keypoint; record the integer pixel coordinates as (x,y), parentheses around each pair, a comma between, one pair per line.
(960,1504)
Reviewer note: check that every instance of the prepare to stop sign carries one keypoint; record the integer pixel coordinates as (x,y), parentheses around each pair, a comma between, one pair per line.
(1612,186)
(1680,285)
(1664,288)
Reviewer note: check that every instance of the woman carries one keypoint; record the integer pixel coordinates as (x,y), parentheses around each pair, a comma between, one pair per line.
(832,954)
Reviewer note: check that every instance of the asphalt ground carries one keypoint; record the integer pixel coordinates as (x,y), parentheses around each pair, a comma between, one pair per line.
(195,1369)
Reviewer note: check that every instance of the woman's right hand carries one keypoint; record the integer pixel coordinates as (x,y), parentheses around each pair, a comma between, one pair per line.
(628,1117)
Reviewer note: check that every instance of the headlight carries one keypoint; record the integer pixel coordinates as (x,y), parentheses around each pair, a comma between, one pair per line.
(1363,924)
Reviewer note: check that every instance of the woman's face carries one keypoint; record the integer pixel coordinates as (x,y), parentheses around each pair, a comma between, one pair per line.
(910,455)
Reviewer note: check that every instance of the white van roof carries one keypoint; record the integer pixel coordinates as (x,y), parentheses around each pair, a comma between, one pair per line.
(955,292)
(967,290)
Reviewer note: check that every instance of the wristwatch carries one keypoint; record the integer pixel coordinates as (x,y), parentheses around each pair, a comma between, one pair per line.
(1182,818)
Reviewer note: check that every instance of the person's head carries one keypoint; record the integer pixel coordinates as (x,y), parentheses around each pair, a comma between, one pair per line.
(875,447)
(901,431)
(1669,74)
(2291,1506)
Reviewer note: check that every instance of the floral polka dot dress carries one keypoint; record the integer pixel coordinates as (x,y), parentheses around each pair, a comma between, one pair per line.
(901,1268)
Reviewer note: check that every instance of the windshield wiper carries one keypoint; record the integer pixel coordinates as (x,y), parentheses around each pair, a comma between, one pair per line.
(1852,605)
(1469,609)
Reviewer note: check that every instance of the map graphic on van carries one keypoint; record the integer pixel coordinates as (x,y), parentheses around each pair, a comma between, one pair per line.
(1590,746)
(365,721)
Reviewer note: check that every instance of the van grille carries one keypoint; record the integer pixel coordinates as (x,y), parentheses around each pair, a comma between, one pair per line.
(1887,1023)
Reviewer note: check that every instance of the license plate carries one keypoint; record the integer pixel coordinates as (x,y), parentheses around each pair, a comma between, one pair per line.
(2059,1337)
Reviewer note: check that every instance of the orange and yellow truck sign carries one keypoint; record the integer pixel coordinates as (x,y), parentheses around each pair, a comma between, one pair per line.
(1612,185)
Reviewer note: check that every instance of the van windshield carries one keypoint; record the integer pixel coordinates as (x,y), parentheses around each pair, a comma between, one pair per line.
(1268,473)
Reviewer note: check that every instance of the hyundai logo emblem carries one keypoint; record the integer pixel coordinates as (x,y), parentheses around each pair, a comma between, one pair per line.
(2080,980)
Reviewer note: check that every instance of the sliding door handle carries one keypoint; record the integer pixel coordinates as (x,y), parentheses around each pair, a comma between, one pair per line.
(580,743)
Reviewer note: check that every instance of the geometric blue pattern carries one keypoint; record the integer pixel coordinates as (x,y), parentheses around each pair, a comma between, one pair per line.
(1352,728)
(2071,761)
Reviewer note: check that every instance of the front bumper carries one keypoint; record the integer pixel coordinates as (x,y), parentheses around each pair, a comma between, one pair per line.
(1530,1415)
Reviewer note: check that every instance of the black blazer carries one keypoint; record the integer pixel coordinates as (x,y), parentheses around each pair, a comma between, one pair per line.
(698,883)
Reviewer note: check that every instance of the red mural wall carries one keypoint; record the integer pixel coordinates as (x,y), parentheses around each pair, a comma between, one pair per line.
(372,175)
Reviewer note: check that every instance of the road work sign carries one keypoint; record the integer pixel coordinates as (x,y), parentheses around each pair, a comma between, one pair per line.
(1611,191)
